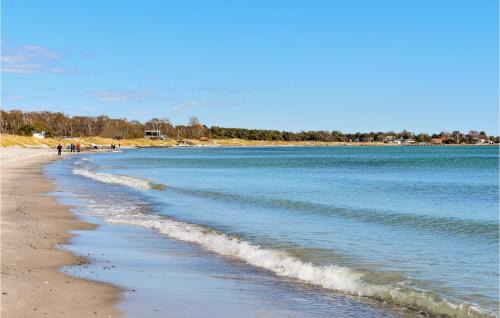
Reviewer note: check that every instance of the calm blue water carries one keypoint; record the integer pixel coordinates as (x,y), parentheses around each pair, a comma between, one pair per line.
(416,227)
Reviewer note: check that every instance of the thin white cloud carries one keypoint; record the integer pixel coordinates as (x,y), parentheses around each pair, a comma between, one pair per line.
(186,105)
(11,97)
(29,59)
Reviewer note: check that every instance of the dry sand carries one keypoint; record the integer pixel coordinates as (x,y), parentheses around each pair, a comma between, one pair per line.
(33,225)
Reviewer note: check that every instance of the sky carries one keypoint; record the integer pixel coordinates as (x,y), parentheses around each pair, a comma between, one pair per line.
(349,65)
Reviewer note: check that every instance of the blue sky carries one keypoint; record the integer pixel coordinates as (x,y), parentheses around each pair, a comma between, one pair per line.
(350,65)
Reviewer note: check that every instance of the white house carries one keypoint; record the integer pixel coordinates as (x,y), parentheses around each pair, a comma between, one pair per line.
(153,134)
(39,134)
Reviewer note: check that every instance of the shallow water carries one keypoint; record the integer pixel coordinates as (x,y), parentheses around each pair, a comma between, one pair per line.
(416,227)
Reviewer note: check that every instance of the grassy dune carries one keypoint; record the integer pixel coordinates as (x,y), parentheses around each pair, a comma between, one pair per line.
(25,141)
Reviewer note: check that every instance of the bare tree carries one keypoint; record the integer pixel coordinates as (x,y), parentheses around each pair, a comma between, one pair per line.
(195,128)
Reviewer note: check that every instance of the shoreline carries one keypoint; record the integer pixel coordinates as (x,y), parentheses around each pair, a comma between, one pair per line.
(88,143)
(34,264)
(34,226)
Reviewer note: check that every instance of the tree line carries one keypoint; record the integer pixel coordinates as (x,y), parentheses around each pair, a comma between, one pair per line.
(56,124)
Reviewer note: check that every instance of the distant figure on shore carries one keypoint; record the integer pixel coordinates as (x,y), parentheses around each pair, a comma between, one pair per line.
(59,149)
(77,148)
(72,147)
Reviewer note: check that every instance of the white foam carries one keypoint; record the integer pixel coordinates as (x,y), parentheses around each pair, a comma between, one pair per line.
(136,183)
(332,277)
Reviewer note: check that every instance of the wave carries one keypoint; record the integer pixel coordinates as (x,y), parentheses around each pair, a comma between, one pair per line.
(82,160)
(485,229)
(132,182)
(332,277)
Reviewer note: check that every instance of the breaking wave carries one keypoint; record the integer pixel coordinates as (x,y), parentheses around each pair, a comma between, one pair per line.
(332,277)
(485,229)
(132,182)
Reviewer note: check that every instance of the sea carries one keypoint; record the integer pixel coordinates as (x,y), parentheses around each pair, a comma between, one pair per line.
(289,231)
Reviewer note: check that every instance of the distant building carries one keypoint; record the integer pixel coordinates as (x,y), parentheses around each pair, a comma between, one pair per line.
(437,141)
(39,134)
(153,134)
(485,141)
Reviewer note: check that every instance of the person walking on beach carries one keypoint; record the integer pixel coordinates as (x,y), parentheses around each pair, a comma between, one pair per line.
(72,147)
(59,149)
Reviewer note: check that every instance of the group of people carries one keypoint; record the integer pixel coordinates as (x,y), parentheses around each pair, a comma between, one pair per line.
(72,148)
(76,148)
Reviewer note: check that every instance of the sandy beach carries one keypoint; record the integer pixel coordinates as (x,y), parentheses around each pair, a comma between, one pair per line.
(33,226)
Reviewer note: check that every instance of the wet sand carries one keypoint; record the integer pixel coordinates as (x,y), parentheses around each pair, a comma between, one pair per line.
(33,226)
